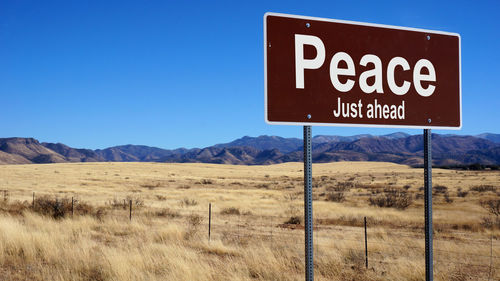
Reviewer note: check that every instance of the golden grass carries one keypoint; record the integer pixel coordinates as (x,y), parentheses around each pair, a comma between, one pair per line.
(167,237)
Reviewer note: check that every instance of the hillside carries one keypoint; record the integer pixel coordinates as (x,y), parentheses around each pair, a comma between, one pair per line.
(397,148)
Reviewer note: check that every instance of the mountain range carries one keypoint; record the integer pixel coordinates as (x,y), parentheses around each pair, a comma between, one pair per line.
(447,150)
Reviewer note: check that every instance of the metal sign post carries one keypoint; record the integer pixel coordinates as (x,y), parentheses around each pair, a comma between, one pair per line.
(308,208)
(428,204)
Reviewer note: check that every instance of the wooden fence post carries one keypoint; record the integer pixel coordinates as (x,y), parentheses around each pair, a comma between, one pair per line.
(130,205)
(366,247)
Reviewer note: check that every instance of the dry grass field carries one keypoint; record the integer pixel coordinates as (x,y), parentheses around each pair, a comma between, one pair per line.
(256,227)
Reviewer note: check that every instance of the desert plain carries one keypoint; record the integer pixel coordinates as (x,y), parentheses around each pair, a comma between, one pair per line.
(150,221)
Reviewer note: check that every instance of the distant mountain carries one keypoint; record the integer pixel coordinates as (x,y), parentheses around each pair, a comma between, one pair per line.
(27,150)
(324,139)
(491,137)
(284,145)
(74,154)
(137,153)
(398,148)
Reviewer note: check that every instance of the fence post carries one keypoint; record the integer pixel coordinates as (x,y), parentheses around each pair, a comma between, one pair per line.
(72,207)
(209,219)
(33,204)
(491,256)
(130,205)
(366,247)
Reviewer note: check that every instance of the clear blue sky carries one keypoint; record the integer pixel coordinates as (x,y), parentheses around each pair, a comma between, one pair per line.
(190,73)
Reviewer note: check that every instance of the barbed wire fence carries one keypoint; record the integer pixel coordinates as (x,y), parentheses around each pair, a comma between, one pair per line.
(240,227)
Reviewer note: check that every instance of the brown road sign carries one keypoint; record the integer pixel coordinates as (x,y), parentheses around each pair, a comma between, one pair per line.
(331,72)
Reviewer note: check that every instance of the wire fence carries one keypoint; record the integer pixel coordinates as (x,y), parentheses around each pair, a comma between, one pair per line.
(381,245)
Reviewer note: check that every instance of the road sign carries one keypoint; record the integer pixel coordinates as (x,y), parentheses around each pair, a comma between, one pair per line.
(341,73)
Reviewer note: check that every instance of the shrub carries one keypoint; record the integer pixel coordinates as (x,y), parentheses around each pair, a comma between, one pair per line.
(392,198)
(355,257)
(161,197)
(117,204)
(194,222)
(167,213)
(294,220)
(47,206)
(188,202)
(151,185)
(59,208)
(207,181)
(15,207)
(342,186)
(440,189)
(462,193)
(230,211)
(492,206)
(100,213)
(137,202)
(491,223)
(483,188)
(335,196)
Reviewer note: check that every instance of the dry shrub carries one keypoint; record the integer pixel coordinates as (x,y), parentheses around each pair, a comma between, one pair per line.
(194,221)
(118,204)
(161,197)
(263,185)
(230,211)
(491,223)
(136,201)
(100,213)
(294,220)
(335,197)
(188,202)
(462,193)
(392,198)
(356,258)
(15,208)
(151,185)
(83,208)
(492,206)
(48,206)
(60,208)
(205,181)
(483,188)
(464,273)
(440,189)
(167,213)
(342,186)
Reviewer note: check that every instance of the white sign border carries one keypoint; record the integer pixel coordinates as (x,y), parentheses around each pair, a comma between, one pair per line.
(363,24)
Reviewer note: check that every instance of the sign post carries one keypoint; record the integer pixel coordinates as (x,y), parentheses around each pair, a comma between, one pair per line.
(341,73)
(428,205)
(308,208)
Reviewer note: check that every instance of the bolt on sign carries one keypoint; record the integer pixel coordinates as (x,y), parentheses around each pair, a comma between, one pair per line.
(331,72)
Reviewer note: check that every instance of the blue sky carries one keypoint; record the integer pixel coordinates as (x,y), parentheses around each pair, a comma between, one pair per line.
(174,74)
